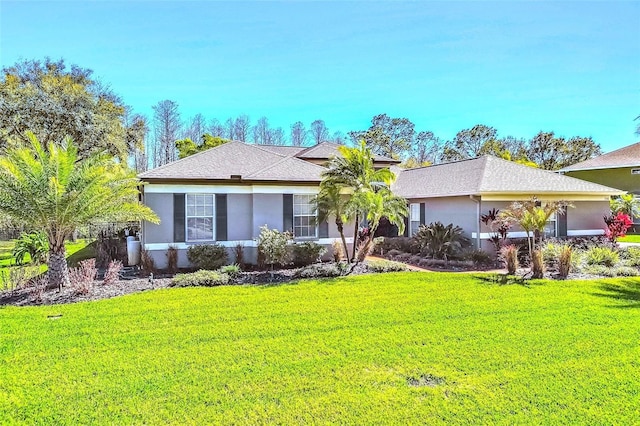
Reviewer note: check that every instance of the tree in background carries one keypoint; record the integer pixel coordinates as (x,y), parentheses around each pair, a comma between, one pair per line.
(166,128)
(241,126)
(195,128)
(425,150)
(319,132)
(391,137)
(552,153)
(262,132)
(299,135)
(187,147)
(468,143)
(56,102)
(51,189)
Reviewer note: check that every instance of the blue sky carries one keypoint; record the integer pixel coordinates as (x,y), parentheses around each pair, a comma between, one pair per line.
(569,67)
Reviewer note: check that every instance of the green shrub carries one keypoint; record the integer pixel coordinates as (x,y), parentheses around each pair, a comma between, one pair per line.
(631,256)
(602,256)
(307,253)
(626,271)
(550,252)
(200,278)
(440,241)
(207,256)
(231,270)
(323,270)
(273,245)
(35,244)
(386,266)
(478,257)
(600,270)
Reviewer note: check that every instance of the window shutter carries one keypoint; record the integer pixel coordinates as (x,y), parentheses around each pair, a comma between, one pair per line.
(406,227)
(178,218)
(287,211)
(423,213)
(221,217)
(562,224)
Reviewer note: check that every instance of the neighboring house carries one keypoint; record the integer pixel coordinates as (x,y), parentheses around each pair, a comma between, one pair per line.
(462,191)
(619,169)
(225,194)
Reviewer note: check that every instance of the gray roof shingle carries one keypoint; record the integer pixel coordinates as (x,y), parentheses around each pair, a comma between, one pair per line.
(628,156)
(330,149)
(486,175)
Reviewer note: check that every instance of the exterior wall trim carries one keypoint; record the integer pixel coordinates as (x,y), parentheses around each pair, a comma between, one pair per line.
(522,234)
(245,243)
(230,189)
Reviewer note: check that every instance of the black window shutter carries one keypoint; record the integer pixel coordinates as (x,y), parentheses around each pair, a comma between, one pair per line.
(562,224)
(406,227)
(221,217)
(287,210)
(178,218)
(423,214)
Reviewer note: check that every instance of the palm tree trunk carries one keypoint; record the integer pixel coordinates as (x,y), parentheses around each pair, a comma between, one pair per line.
(58,274)
(355,237)
(340,227)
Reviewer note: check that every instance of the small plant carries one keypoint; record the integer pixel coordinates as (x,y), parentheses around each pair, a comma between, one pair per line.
(617,225)
(440,241)
(322,270)
(509,254)
(602,256)
(380,266)
(273,244)
(550,252)
(82,276)
(35,244)
(337,250)
(478,257)
(238,252)
(207,256)
(600,270)
(307,253)
(631,256)
(200,278)
(172,259)
(626,271)
(111,275)
(537,264)
(17,277)
(147,264)
(231,270)
(499,227)
(564,260)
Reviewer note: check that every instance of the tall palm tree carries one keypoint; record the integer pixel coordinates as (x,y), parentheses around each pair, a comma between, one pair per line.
(50,189)
(354,171)
(330,202)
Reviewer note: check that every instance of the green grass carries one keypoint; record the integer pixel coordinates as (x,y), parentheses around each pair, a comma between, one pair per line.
(7,260)
(335,351)
(629,239)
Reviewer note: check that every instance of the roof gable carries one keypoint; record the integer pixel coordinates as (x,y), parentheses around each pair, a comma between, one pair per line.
(628,156)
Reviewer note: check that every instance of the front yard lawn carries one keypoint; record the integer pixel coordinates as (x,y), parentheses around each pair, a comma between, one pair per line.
(399,348)
(629,239)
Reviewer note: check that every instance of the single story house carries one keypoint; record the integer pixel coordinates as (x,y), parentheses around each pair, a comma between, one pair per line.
(227,193)
(619,169)
(461,192)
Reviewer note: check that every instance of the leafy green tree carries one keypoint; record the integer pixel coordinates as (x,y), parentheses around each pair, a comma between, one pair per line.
(187,147)
(627,203)
(391,137)
(426,150)
(51,189)
(471,143)
(550,152)
(55,102)
(330,202)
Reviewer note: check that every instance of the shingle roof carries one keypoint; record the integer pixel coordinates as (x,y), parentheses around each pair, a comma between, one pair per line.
(283,149)
(330,149)
(487,175)
(237,158)
(629,156)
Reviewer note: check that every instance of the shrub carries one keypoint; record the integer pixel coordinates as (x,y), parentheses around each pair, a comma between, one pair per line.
(111,275)
(509,255)
(602,256)
(147,264)
(631,256)
(403,257)
(35,244)
(307,253)
(617,225)
(393,253)
(273,245)
(322,270)
(238,251)
(207,256)
(478,256)
(172,259)
(337,250)
(564,260)
(600,270)
(550,252)
(402,244)
(380,266)
(200,278)
(537,264)
(440,241)
(626,271)
(81,277)
(585,243)
(17,277)
(231,270)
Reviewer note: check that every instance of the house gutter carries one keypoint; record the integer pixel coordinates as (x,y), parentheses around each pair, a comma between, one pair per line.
(478,200)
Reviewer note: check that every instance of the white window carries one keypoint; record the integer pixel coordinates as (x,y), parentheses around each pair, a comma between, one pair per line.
(200,221)
(550,226)
(414,215)
(304,217)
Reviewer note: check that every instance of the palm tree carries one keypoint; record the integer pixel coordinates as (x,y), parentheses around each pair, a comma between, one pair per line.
(331,202)
(626,203)
(50,189)
(354,171)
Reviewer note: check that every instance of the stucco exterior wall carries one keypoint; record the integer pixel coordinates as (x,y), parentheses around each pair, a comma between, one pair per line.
(239,217)
(267,210)
(587,215)
(162,205)
(460,211)
(616,178)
